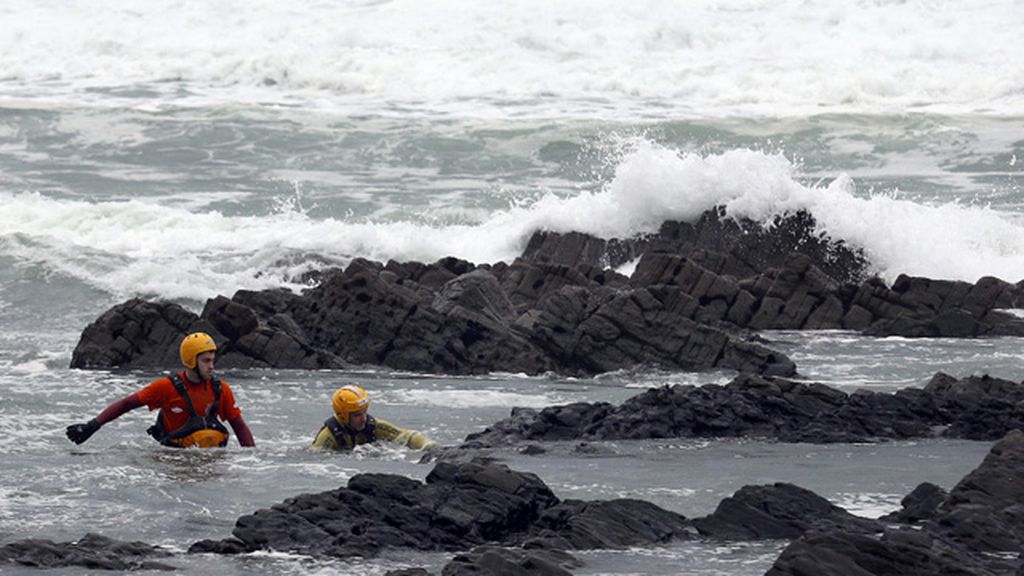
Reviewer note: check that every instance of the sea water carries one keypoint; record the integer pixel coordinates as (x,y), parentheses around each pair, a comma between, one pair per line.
(182,150)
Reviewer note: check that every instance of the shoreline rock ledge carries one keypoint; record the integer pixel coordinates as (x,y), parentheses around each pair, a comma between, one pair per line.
(697,296)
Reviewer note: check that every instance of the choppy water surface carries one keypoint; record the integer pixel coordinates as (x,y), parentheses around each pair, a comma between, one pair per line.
(122,485)
(187,150)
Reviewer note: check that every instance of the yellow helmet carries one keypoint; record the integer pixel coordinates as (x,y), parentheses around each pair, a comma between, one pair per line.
(349,399)
(193,345)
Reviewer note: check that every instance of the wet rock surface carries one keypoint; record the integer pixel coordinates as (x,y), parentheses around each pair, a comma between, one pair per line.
(778,512)
(697,292)
(497,561)
(976,408)
(977,529)
(504,522)
(92,551)
(458,506)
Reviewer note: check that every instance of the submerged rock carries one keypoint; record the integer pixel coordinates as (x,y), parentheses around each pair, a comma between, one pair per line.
(498,561)
(93,551)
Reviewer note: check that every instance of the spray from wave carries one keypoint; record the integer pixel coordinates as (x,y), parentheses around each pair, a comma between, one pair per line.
(145,247)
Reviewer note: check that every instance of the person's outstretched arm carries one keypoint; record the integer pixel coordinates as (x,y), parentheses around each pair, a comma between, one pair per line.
(411,438)
(242,431)
(79,433)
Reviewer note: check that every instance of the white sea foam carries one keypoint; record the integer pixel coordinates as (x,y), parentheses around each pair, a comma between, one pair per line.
(869,504)
(145,247)
(578,56)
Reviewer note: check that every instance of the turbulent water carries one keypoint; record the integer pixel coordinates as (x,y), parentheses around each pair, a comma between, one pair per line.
(181,150)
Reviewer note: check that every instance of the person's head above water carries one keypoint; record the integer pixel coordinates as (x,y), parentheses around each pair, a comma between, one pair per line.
(350,404)
(198,353)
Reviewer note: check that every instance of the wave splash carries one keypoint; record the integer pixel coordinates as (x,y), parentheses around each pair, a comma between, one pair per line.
(154,247)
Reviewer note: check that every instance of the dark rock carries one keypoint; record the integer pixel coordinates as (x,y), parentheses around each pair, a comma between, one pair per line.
(496,561)
(476,292)
(921,504)
(897,553)
(978,529)
(779,511)
(93,552)
(768,407)
(977,407)
(459,505)
(985,510)
(574,248)
(696,290)
(616,524)
(132,334)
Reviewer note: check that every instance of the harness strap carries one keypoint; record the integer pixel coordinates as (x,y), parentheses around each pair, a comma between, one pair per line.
(195,423)
(179,385)
(344,435)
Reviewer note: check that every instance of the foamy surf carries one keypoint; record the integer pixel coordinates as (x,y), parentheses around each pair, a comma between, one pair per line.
(577,58)
(145,247)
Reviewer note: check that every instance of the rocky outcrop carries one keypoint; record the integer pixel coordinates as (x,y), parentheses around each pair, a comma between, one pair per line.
(733,247)
(985,510)
(778,512)
(798,295)
(976,408)
(142,334)
(509,519)
(695,294)
(978,529)
(457,507)
(921,504)
(93,551)
(789,276)
(370,314)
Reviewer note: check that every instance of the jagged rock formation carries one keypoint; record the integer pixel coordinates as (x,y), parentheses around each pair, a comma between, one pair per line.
(976,408)
(696,293)
(977,529)
(457,507)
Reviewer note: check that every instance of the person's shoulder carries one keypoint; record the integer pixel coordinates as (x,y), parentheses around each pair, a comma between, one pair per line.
(161,388)
(386,425)
(163,381)
(325,439)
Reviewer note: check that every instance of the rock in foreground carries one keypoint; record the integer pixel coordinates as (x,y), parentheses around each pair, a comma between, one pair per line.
(977,530)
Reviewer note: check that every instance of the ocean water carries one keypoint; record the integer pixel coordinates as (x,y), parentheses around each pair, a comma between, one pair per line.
(181,150)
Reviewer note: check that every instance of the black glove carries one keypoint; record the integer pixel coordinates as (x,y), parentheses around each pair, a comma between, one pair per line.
(79,433)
